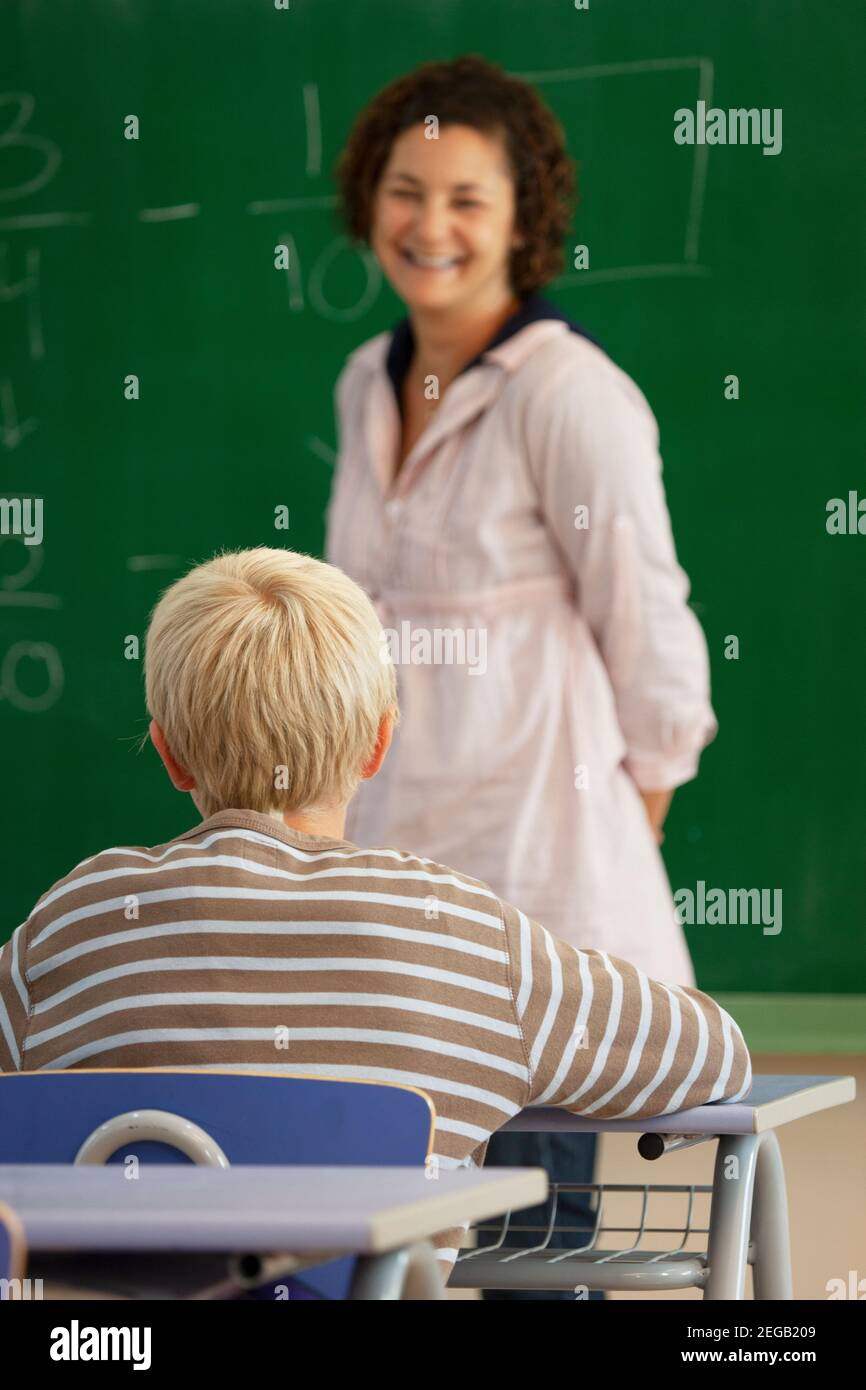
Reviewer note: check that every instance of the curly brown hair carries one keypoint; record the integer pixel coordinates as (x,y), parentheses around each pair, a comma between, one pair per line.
(470,91)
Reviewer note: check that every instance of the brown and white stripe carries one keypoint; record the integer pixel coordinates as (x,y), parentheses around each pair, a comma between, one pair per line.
(241,936)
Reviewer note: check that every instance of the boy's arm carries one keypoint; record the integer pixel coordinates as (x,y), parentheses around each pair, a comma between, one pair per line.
(603,1039)
(14,1002)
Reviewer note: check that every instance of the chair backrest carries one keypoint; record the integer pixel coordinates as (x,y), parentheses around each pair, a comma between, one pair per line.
(13,1250)
(253,1118)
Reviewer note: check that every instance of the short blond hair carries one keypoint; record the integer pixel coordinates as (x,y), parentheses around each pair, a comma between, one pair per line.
(268,675)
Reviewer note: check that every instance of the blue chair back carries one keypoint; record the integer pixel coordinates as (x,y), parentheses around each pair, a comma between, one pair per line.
(256,1118)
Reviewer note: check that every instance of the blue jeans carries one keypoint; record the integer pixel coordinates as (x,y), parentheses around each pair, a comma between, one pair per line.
(567,1158)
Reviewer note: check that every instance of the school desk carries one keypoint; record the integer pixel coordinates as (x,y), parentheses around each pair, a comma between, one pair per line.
(748,1215)
(236,1216)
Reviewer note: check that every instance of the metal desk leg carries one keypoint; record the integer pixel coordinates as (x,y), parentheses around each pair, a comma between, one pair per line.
(751,1197)
(730,1215)
(380,1277)
(771,1267)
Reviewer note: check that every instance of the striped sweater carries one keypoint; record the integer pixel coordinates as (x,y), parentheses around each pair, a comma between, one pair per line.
(371,962)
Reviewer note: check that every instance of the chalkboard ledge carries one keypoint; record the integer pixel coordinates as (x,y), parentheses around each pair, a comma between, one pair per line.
(813,1023)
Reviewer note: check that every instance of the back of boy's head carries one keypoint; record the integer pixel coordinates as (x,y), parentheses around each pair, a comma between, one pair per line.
(267,673)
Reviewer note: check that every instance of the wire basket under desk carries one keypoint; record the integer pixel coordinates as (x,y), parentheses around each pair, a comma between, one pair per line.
(584,1262)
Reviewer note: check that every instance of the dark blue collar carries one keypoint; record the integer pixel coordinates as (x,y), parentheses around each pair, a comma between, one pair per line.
(533,309)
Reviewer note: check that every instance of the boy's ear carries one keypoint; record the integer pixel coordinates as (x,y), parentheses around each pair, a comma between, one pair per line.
(383,743)
(180,778)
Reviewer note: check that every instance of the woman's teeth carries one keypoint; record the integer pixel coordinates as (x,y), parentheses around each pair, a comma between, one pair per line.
(431,262)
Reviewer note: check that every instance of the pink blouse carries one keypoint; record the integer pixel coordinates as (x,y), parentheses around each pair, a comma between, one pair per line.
(548,662)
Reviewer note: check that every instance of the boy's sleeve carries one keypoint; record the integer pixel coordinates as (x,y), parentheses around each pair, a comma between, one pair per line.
(603,1039)
(14,1001)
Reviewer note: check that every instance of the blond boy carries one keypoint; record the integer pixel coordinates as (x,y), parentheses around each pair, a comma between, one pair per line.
(270,702)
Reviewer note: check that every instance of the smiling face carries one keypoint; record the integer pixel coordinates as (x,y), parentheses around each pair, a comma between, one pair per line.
(443,219)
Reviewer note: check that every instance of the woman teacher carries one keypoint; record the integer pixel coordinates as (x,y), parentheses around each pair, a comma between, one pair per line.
(499,484)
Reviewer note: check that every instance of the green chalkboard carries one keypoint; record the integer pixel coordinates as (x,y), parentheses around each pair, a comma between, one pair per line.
(156,257)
